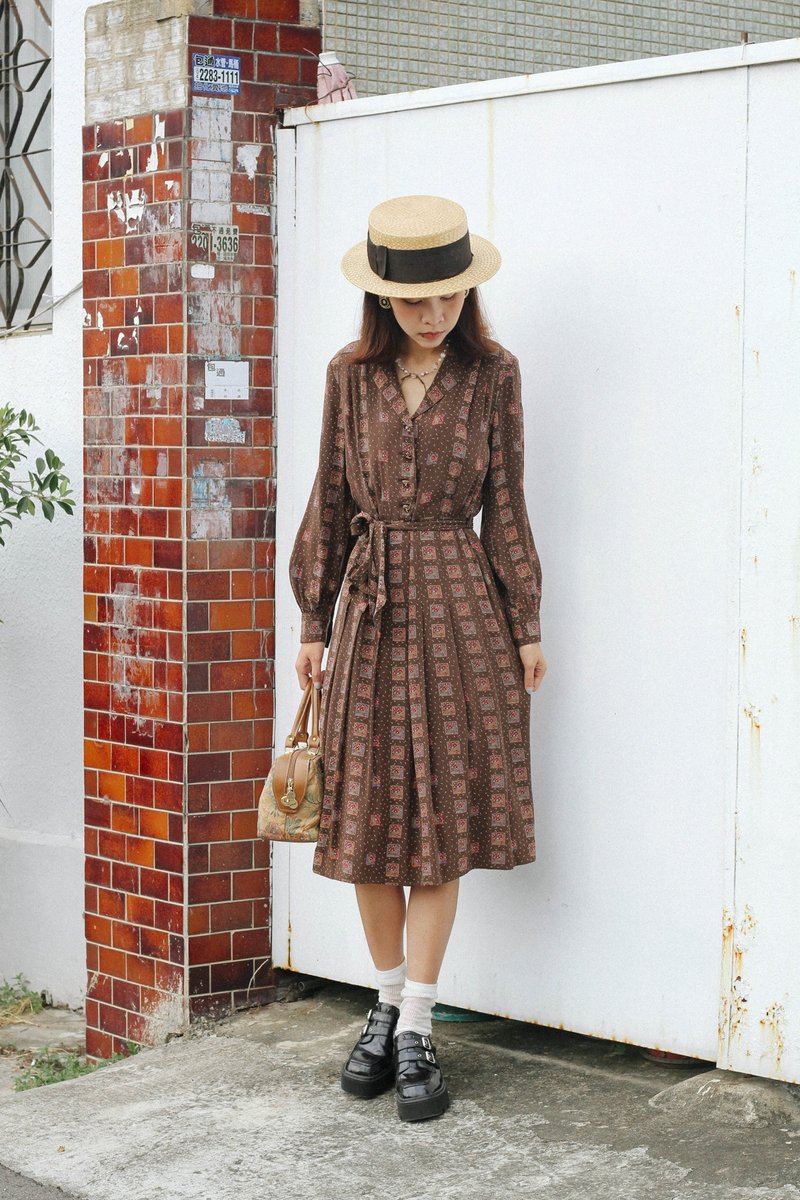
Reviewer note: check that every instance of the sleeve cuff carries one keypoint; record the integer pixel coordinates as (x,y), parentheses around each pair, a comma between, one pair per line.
(526,631)
(314,627)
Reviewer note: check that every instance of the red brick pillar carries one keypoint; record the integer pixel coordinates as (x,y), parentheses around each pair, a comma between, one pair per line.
(179,524)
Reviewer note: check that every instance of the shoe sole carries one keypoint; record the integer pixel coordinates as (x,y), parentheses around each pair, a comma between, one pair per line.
(424,1107)
(367,1088)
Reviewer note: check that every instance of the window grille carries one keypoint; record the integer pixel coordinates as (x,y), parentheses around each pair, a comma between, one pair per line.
(27,168)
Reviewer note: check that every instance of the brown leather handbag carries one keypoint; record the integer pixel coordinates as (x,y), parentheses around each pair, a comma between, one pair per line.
(291,800)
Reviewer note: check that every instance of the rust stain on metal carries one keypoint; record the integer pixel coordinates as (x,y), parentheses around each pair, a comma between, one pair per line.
(743,639)
(738,1011)
(747,923)
(723,1019)
(752,713)
(772,1024)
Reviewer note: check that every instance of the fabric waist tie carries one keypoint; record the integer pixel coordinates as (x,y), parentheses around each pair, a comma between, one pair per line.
(366,566)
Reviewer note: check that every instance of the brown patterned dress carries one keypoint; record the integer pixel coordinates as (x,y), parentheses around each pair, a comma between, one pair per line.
(424,717)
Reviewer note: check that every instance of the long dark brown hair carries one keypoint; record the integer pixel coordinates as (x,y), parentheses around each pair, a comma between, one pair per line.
(381,339)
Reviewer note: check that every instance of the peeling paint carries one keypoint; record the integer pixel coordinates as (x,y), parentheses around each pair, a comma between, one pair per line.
(128,207)
(216,318)
(203,270)
(160,126)
(247,158)
(224,429)
(211,505)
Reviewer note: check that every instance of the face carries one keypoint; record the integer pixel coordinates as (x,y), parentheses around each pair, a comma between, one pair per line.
(426,323)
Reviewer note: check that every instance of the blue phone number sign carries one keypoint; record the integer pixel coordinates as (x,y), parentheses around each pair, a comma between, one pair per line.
(217,73)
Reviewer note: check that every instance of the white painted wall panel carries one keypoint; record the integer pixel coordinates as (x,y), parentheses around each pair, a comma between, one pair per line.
(619,204)
(41,604)
(761,988)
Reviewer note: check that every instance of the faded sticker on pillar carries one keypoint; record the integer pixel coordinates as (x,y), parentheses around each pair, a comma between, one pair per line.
(221,240)
(227,379)
(216,73)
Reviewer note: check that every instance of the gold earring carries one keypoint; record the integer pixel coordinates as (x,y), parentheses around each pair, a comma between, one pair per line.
(384,302)
(466,293)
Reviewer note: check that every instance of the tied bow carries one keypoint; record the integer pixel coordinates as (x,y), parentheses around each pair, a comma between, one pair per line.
(367,564)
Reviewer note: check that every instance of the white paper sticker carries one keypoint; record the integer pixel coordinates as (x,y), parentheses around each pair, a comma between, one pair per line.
(227,379)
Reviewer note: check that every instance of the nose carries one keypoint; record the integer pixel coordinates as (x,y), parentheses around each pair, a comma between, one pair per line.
(433,311)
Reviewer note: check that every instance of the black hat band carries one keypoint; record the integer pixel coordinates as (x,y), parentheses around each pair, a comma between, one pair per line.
(419,266)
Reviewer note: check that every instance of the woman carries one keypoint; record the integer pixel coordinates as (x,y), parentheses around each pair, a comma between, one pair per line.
(436,647)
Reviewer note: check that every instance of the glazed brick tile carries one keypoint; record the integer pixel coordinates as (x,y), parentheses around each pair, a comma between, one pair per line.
(208,32)
(230,856)
(279,10)
(210,888)
(169,857)
(199,980)
(250,942)
(109,904)
(209,948)
(231,975)
(248,885)
(141,970)
(155,943)
(126,937)
(154,883)
(236,915)
(232,795)
(112,1020)
(300,39)
(265,37)
(169,917)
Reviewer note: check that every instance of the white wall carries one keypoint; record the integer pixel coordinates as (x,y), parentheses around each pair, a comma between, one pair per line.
(646,213)
(41,603)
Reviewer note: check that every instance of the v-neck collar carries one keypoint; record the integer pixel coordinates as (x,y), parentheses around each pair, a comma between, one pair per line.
(388,382)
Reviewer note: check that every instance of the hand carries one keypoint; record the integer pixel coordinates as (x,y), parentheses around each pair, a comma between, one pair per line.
(534,663)
(309,663)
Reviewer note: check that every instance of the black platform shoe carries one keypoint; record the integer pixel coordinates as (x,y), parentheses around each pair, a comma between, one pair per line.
(370,1068)
(420,1087)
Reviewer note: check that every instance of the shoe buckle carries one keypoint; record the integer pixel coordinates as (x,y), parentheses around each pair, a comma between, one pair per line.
(430,1057)
(426,1041)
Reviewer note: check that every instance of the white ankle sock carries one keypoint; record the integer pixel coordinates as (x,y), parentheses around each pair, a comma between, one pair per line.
(390,984)
(415,1009)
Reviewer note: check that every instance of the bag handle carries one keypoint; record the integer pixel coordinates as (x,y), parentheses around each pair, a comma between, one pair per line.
(299,731)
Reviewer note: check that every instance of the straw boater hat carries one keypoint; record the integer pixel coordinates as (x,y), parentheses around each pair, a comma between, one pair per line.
(419,246)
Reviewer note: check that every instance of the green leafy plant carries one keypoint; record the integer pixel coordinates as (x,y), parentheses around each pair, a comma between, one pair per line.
(53,1066)
(47,484)
(16,999)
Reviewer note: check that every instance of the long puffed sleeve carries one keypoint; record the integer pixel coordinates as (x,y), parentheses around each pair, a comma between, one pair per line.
(505,528)
(322,543)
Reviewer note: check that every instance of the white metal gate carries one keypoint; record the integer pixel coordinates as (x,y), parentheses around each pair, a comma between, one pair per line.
(647,213)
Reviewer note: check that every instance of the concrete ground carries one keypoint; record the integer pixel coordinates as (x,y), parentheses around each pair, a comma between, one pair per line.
(252,1109)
